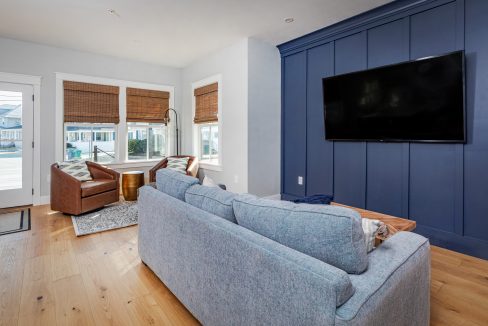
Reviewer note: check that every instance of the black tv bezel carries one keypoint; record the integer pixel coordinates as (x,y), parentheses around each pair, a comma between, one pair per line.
(394,140)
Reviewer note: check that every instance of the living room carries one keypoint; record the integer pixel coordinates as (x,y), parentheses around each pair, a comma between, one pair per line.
(230,163)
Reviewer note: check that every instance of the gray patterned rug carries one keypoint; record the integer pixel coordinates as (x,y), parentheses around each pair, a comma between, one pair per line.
(110,217)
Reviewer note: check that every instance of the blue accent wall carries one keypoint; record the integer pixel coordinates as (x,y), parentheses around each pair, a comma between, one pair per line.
(443,187)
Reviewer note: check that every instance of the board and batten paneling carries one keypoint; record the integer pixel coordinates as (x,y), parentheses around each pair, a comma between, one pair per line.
(350,157)
(443,187)
(387,163)
(435,169)
(476,150)
(320,153)
(294,122)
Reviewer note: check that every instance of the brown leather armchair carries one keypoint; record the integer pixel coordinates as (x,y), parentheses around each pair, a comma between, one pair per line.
(71,196)
(191,168)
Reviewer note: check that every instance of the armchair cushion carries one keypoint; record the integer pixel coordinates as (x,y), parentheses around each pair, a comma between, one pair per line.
(90,188)
(76,168)
(191,168)
(179,164)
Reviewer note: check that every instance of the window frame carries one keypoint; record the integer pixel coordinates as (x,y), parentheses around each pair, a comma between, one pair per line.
(89,124)
(121,136)
(146,126)
(210,125)
(204,163)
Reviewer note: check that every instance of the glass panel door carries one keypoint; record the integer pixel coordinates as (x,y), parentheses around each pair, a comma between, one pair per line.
(16,136)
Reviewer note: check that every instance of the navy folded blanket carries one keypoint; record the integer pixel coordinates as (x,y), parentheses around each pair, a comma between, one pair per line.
(315,199)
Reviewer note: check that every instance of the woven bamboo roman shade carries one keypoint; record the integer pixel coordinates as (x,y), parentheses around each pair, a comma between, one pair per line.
(93,103)
(206,103)
(144,105)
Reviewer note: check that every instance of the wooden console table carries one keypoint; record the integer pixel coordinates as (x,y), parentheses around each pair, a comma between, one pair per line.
(395,224)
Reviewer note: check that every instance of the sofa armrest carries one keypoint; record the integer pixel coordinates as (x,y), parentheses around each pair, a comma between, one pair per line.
(395,287)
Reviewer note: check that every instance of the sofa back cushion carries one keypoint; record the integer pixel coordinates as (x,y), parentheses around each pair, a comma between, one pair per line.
(213,200)
(174,183)
(329,233)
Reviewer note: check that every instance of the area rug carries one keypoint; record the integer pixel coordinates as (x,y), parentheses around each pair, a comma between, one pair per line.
(15,221)
(110,217)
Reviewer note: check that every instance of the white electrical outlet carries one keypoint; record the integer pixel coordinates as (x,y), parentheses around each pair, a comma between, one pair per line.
(300,180)
(236,178)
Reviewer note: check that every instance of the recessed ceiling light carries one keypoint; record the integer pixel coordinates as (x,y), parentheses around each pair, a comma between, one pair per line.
(289,20)
(113,12)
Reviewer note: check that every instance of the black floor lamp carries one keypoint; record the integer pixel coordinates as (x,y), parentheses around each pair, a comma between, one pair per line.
(166,119)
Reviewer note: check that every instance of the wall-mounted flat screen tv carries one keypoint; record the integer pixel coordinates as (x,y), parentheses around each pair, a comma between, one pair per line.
(415,101)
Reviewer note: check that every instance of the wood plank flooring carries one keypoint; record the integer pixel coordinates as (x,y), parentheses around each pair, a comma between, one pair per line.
(48,276)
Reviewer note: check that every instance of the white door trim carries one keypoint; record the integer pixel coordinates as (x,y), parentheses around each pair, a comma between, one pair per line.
(35,81)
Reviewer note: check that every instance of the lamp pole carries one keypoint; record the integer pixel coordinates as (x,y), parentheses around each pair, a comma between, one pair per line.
(166,116)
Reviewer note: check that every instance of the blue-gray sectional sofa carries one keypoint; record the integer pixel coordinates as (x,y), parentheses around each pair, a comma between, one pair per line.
(240,260)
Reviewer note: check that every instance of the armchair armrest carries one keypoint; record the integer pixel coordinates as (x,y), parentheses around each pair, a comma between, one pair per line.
(65,191)
(98,171)
(192,168)
(161,165)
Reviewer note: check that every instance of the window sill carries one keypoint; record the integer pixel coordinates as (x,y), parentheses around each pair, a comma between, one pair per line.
(211,166)
(132,164)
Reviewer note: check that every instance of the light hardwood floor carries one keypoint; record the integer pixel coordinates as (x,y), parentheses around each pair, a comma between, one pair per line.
(50,277)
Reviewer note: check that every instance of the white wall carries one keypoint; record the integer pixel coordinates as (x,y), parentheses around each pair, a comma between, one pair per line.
(40,60)
(264,118)
(250,71)
(251,75)
(232,64)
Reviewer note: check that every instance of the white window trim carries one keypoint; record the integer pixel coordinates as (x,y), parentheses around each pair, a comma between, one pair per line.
(121,160)
(195,130)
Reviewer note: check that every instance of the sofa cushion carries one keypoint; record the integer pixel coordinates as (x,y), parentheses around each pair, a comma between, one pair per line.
(94,187)
(213,200)
(330,233)
(174,183)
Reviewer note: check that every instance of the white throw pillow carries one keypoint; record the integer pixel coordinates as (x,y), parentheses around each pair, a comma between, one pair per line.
(178,164)
(207,181)
(370,228)
(76,168)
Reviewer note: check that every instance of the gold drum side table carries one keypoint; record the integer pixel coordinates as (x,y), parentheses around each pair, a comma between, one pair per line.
(131,182)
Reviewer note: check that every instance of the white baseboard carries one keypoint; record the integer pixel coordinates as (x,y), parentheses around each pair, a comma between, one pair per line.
(274,197)
(42,200)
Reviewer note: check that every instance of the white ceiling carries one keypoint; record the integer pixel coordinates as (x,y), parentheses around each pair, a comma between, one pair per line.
(168,32)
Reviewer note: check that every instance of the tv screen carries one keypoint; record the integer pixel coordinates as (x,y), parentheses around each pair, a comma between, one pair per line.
(417,101)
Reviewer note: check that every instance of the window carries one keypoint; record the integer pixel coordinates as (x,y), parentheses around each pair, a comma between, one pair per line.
(146,124)
(92,128)
(91,113)
(209,142)
(93,142)
(206,121)
(146,141)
